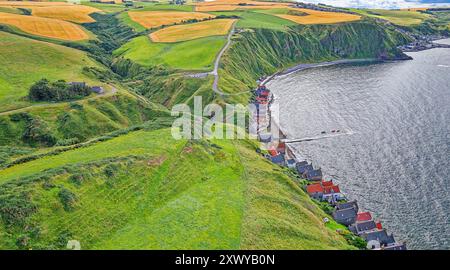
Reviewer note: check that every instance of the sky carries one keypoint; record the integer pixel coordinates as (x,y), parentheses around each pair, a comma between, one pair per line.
(381,3)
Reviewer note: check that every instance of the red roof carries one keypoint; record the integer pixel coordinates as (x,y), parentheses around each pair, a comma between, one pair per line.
(331,189)
(364,216)
(281,147)
(314,188)
(379,226)
(327,183)
(273,152)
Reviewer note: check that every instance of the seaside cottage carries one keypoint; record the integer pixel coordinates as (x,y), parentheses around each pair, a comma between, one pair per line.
(346,216)
(380,236)
(291,163)
(313,175)
(315,191)
(346,205)
(363,216)
(362,227)
(301,166)
(332,193)
(278,159)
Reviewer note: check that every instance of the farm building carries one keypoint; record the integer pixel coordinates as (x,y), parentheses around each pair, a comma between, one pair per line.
(97,89)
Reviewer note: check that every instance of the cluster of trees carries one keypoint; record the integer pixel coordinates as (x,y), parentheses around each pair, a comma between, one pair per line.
(60,90)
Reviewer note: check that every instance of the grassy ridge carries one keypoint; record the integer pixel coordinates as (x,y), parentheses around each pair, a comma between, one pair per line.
(43,60)
(146,196)
(267,51)
(77,121)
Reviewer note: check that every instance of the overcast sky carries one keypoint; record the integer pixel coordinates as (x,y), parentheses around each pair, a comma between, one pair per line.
(382,3)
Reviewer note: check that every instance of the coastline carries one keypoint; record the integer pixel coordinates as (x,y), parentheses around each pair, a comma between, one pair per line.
(290,152)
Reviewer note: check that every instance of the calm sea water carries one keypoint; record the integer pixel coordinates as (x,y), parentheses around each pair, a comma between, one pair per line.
(396,159)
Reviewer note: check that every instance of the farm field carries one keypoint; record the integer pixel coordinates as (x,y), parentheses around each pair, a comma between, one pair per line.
(235,5)
(55,10)
(75,13)
(234,200)
(399,17)
(154,19)
(34,3)
(186,32)
(45,27)
(42,59)
(197,54)
(253,19)
(319,17)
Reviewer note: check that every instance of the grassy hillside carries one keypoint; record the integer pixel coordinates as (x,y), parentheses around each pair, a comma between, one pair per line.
(74,122)
(24,61)
(267,51)
(138,191)
(198,54)
(254,19)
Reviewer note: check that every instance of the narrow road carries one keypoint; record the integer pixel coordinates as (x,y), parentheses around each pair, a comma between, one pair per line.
(109,93)
(215,71)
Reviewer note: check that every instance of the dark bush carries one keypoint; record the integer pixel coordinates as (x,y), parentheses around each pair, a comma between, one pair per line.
(60,90)
(16,208)
(37,132)
(68,199)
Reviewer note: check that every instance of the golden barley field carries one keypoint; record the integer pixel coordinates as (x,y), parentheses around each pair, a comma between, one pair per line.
(56,10)
(45,27)
(193,31)
(153,19)
(33,3)
(73,13)
(319,17)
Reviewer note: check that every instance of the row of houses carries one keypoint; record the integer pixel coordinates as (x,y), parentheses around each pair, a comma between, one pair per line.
(363,225)
(345,213)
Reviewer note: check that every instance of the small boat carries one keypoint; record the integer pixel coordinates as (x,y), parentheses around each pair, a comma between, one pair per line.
(333,131)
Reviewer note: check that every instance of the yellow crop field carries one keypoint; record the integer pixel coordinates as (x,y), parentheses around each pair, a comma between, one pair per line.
(319,17)
(45,27)
(152,19)
(193,31)
(32,3)
(73,13)
(56,10)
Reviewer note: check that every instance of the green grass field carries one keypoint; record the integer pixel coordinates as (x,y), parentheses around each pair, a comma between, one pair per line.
(257,19)
(198,54)
(24,61)
(125,18)
(234,199)
(399,17)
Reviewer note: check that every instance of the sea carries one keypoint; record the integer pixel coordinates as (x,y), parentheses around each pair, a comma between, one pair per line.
(392,151)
